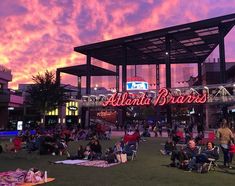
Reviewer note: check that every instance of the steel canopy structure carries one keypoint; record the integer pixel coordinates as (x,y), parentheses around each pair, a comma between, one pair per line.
(81,70)
(189,43)
(181,44)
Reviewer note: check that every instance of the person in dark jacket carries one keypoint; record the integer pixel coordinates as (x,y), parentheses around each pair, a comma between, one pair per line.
(209,152)
(169,147)
(184,154)
(96,150)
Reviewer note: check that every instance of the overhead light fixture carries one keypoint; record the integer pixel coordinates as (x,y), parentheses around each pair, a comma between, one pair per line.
(166,53)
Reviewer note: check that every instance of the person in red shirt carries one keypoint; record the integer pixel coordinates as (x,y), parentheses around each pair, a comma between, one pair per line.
(131,137)
(17,142)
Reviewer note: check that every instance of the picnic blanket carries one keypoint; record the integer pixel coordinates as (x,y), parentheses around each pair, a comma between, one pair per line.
(39,183)
(17,177)
(87,163)
(13,177)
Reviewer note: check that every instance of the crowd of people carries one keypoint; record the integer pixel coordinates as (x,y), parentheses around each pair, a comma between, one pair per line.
(54,141)
(193,156)
(189,155)
(118,153)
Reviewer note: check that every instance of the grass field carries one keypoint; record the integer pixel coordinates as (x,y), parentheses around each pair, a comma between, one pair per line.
(150,168)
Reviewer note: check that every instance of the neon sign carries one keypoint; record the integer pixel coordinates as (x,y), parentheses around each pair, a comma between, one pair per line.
(164,97)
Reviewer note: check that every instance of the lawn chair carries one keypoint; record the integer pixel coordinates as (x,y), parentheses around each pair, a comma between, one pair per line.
(212,163)
(131,150)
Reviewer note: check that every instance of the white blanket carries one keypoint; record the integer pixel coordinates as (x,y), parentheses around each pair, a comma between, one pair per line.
(72,162)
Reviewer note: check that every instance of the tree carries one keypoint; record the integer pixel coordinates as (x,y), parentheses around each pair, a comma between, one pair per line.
(45,94)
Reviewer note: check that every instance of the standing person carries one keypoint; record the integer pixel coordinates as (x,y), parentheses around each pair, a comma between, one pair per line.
(159,128)
(225,136)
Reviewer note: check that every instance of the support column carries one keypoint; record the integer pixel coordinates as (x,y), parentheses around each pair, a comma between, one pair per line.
(222,63)
(199,70)
(158,109)
(201,107)
(88,76)
(168,63)
(124,71)
(79,95)
(58,76)
(61,108)
(168,75)
(122,120)
(222,55)
(88,87)
(117,78)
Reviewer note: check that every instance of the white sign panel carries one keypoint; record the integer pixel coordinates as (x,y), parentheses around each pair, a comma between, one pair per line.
(19,125)
(136,85)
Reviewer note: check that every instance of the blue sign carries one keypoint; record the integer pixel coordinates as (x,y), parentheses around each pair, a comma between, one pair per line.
(136,85)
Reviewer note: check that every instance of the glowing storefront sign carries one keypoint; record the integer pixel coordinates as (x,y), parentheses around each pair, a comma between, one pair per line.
(136,85)
(164,97)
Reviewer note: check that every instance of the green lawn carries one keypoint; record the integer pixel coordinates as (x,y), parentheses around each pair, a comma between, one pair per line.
(148,169)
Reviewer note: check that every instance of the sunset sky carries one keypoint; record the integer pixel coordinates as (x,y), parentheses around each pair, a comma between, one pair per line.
(36,35)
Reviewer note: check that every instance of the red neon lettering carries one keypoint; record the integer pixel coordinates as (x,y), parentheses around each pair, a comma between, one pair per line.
(110,101)
(164,97)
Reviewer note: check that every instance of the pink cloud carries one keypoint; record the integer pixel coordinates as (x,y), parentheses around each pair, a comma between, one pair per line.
(40,35)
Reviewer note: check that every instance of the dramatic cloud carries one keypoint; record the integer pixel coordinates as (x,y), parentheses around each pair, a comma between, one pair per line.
(39,34)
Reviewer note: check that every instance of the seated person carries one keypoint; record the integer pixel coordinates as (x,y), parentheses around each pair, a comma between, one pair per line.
(209,152)
(17,142)
(62,147)
(80,152)
(31,144)
(184,154)
(110,156)
(129,148)
(168,147)
(175,138)
(46,145)
(118,148)
(130,137)
(87,153)
(96,149)
(79,155)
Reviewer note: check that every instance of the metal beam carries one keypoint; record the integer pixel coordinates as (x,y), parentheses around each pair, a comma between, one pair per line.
(199,71)
(124,69)
(79,84)
(168,62)
(117,78)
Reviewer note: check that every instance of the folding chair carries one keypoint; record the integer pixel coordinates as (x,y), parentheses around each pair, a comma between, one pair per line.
(131,150)
(212,163)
